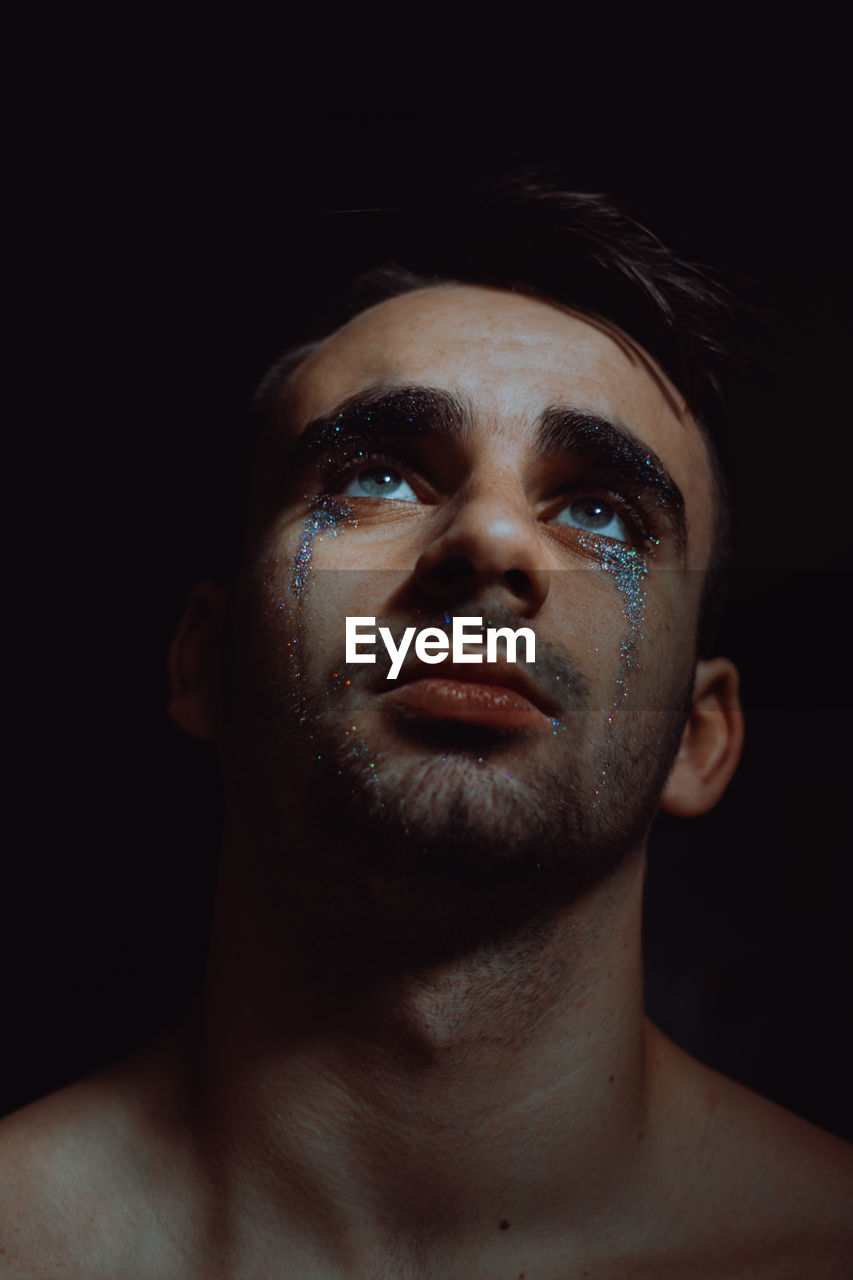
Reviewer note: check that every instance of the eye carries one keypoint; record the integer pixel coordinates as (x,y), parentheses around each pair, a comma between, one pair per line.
(379,482)
(594,515)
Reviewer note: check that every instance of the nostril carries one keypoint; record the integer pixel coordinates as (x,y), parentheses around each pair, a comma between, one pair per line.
(454,572)
(517,581)
(452,578)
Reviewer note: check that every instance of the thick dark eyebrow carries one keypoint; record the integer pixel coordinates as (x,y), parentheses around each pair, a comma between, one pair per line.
(616,451)
(377,413)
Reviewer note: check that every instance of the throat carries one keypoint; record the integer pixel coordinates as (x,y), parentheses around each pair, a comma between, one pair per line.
(445,980)
(405,1060)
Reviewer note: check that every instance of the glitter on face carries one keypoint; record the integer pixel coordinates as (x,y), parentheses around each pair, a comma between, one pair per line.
(325,517)
(628,567)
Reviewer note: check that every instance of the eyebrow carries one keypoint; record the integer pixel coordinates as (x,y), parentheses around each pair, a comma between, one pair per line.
(610,444)
(378,413)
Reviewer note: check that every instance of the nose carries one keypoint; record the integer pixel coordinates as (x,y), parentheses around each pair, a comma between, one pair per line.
(490,541)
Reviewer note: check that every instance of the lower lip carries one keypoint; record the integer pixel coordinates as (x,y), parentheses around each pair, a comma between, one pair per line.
(485,704)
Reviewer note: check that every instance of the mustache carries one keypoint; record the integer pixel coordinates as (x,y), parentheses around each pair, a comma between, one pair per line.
(554,672)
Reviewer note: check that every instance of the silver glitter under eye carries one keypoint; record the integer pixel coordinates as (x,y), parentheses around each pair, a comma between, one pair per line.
(326,516)
(628,567)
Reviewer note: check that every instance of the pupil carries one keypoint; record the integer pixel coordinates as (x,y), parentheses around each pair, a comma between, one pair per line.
(594,513)
(380,478)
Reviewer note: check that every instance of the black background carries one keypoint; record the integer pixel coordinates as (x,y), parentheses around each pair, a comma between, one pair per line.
(169,217)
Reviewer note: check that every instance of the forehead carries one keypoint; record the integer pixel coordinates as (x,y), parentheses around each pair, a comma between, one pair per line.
(512,357)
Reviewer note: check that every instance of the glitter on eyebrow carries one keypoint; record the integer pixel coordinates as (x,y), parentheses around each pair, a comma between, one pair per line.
(623,448)
(614,446)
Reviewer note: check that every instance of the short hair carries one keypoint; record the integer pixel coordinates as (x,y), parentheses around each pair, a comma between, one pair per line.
(525,234)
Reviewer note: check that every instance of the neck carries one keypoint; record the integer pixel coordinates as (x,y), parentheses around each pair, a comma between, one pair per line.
(404,1056)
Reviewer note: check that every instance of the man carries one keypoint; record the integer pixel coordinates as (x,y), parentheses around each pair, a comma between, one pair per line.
(422,1050)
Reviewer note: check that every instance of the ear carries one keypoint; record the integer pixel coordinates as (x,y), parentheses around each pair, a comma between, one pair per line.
(712,742)
(194,662)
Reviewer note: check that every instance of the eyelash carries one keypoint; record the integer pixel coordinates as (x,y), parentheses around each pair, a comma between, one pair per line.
(640,523)
(335,471)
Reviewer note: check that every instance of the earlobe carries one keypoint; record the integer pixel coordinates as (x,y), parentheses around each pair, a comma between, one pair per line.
(711,744)
(194,662)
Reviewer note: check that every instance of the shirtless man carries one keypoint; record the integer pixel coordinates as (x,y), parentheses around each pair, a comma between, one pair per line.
(421,1052)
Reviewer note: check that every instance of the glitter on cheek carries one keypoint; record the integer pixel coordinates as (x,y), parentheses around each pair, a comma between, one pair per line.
(326,516)
(628,567)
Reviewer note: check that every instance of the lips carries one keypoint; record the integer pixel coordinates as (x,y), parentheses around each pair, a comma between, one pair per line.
(506,699)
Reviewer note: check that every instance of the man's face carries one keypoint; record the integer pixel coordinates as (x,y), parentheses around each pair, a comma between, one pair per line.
(463,451)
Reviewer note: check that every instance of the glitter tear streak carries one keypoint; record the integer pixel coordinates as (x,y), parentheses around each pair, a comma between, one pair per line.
(628,568)
(325,516)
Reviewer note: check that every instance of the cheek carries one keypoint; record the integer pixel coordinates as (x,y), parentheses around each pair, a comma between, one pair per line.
(674,597)
(596,627)
(666,653)
(295,606)
(589,617)
(635,643)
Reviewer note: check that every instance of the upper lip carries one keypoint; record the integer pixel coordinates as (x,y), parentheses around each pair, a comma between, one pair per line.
(502,673)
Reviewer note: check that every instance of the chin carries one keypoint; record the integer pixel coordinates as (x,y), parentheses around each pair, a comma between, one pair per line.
(477,811)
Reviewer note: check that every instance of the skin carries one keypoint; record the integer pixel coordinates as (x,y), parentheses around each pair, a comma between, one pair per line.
(400,1068)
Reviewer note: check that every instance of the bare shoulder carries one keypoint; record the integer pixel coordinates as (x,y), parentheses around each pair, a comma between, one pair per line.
(58,1172)
(82,1178)
(751,1172)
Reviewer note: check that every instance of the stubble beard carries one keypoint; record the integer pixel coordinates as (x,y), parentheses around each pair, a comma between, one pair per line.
(472,807)
(460,802)
(446,800)
(383,847)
